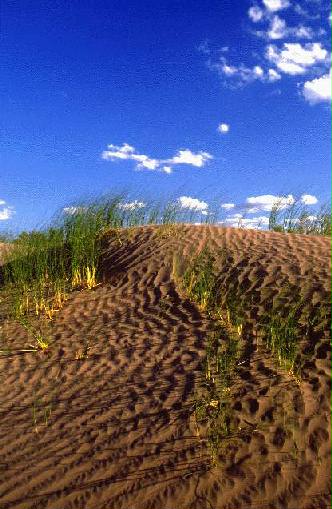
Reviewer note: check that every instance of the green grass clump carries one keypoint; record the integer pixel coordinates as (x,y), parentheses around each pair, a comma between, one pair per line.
(281,336)
(43,266)
(199,280)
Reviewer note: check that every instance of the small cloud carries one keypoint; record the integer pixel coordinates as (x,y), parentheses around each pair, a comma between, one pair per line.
(6,212)
(294,58)
(308,199)
(71,211)
(127,152)
(303,32)
(227,206)
(204,48)
(266,202)
(273,75)
(241,73)
(223,128)
(318,89)
(276,5)
(186,202)
(188,157)
(237,220)
(255,13)
(132,205)
(258,71)
(278,28)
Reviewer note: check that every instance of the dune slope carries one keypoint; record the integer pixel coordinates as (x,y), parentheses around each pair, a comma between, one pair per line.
(116,428)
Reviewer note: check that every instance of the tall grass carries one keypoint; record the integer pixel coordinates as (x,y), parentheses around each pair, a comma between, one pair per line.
(42,266)
(295,217)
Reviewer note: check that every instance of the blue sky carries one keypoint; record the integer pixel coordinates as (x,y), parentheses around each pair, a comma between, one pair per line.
(217,102)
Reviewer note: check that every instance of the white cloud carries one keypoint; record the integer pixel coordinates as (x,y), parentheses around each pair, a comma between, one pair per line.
(278,28)
(187,157)
(204,47)
(258,71)
(276,5)
(265,202)
(318,89)
(223,128)
(127,152)
(303,32)
(6,212)
(186,202)
(255,13)
(73,210)
(133,205)
(241,73)
(308,199)
(237,220)
(227,206)
(273,75)
(295,58)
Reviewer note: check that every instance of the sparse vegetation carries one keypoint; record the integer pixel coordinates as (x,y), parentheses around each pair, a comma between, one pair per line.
(296,218)
(212,404)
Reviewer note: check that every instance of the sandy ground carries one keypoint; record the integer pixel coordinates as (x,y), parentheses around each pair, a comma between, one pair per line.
(116,430)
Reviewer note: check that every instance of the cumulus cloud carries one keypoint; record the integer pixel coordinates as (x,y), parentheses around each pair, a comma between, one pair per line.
(241,74)
(278,28)
(6,212)
(71,211)
(318,89)
(255,13)
(285,59)
(223,128)
(187,202)
(227,206)
(127,152)
(273,75)
(308,199)
(265,202)
(238,220)
(295,58)
(187,157)
(276,5)
(133,205)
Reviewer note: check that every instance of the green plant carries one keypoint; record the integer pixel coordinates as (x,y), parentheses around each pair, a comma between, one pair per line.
(199,280)
(281,337)
(41,341)
(292,216)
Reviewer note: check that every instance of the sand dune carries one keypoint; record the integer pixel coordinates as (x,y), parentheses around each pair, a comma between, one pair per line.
(116,430)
